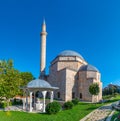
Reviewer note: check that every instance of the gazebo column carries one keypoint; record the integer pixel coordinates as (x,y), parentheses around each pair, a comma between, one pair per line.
(30,102)
(44,95)
(34,98)
(26,100)
(23,100)
(51,96)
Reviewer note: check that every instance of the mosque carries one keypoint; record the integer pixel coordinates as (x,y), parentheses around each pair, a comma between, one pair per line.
(70,72)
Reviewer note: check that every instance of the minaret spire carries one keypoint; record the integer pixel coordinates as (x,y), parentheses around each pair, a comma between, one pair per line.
(44,21)
(43,35)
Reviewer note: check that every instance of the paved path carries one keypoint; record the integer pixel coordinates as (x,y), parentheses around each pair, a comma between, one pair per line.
(99,114)
(110,116)
(13,108)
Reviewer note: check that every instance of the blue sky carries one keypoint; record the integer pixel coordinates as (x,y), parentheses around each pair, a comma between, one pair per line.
(90,27)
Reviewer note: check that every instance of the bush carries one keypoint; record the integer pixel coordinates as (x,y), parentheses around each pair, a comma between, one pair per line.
(3,104)
(75,101)
(107,97)
(68,105)
(17,101)
(53,108)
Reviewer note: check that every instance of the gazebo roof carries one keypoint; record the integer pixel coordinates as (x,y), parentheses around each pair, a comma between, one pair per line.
(39,84)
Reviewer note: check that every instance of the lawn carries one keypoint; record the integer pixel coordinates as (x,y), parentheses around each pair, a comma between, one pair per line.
(78,112)
(74,114)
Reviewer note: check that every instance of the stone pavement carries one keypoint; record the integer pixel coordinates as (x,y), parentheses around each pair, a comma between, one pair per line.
(13,108)
(18,108)
(99,114)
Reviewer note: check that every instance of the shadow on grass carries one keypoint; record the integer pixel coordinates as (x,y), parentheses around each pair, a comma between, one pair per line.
(82,103)
(91,108)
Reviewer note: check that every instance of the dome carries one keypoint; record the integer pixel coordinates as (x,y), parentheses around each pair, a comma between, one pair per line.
(70,53)
(38,83)
(88,68)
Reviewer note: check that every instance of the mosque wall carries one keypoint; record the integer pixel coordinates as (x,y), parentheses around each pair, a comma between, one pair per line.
(86,78)
(58,79)
(71,86)
(84,87)
(67,64)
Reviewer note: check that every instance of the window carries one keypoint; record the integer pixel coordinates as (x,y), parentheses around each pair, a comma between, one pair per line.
(48,95)
(73,95)
(58,94)
(80,95)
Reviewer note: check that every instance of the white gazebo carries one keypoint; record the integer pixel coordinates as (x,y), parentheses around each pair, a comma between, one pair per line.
(30,103)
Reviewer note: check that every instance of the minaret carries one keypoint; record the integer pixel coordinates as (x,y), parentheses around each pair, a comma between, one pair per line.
(43,35)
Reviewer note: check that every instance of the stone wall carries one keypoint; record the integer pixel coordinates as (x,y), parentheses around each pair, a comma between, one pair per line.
(71,85)
(86,78)
(68,62)
(57,79)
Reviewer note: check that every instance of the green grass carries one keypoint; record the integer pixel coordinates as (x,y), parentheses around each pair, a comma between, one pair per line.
(78,112)
(115,115)
(75,114)
(114,99)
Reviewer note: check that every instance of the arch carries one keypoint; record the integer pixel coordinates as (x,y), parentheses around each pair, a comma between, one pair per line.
(80,95)
(58,94)
(73,95)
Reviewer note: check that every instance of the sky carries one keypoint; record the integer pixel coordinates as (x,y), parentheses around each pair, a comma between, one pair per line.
(89,27)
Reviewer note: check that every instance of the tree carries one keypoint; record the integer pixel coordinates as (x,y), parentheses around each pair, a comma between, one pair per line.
(10,82)
(11,79)
(94,89)
(26,77)
(113,90)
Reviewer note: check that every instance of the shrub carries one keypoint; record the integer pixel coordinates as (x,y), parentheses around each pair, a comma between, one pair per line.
(118,117)
(17,101)
(3,104)
(75,101)
(68,105)
(10,103)
(53,108)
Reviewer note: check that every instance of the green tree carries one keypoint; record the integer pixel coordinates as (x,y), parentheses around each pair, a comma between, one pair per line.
(113,90)
(10,83)
(26,77)
(94,89)
(11,79)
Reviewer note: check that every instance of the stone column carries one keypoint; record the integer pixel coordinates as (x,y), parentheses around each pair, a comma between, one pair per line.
(26,100)
(51,96)
(34,98)
(30,102)
(23,100)
(44,95)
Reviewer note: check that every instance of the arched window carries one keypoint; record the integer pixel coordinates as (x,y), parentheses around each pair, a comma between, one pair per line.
(73,95)
(80,95)
(58,94)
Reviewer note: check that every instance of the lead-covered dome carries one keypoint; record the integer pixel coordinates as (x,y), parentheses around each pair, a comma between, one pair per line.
(38,83)
(70,53)
(88,68)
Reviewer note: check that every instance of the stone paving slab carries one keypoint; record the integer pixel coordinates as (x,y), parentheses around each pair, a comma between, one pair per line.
(13,108)
(99,114)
